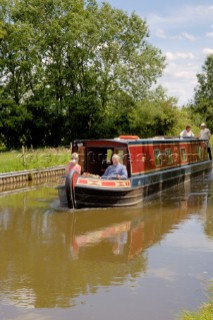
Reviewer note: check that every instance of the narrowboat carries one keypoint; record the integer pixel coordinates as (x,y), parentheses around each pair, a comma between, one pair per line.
(152,165)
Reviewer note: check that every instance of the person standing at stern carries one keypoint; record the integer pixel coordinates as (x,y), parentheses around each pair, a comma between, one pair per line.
(187,133)
(206,134)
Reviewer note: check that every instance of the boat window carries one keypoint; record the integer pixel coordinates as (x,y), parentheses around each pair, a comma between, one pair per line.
(109,156)
(158,157)
(168,155)
(98,159)
(183,154)
(121,155)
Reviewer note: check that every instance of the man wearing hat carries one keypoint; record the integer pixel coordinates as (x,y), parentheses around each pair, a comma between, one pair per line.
(206,134)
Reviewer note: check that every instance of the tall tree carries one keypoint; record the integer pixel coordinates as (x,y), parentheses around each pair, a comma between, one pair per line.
(203,98)
(156,114)
(69,64)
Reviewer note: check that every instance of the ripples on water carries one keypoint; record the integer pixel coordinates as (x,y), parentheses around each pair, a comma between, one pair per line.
(145,262)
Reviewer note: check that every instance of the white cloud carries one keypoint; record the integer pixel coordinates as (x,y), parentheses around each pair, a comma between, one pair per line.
(160,34)
(207,51)
(179,77)
(176,37)
(209,34)
(185,16)
(176,89)
(181,71)
(183,75)
(184,35)
(203,12)
(188,36)
(180,55)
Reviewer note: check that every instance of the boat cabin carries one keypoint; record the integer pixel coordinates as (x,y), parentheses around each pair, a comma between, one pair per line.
(152,165)
(95,156)
(139,155)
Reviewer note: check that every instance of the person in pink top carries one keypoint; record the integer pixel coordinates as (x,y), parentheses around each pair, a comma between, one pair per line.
(73,164)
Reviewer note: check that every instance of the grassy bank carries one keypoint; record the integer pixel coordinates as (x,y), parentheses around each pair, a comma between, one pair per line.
(26,159)
(204,313)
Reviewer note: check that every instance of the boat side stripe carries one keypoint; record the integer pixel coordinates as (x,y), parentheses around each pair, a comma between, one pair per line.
(103,183)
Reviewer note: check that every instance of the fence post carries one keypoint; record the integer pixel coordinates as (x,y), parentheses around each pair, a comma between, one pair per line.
(23,155)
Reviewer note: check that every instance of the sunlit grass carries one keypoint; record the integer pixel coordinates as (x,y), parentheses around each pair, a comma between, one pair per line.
(204,313)
(33,159)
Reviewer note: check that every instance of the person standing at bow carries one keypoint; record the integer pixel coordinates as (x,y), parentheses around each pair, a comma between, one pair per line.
(73,164)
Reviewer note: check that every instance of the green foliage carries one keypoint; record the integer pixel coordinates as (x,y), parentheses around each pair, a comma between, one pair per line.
(202,107)
(12,121)
(155,115)
(65,68)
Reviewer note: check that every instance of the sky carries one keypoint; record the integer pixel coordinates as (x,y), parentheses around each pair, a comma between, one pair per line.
(183,31)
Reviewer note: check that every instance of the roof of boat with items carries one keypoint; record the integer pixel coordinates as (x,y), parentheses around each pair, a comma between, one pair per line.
(155,140)
(137,140)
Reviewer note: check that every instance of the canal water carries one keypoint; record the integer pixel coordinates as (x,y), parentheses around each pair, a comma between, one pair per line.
(144,263)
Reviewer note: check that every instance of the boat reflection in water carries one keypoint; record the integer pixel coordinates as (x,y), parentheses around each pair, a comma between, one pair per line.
(124,234)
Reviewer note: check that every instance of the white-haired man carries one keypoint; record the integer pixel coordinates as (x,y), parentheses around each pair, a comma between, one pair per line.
(206,134)
(116,170)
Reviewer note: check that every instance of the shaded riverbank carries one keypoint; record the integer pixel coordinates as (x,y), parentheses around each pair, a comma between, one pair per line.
(16,180)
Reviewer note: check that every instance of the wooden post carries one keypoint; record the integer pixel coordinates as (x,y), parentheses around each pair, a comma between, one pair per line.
(23,155)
